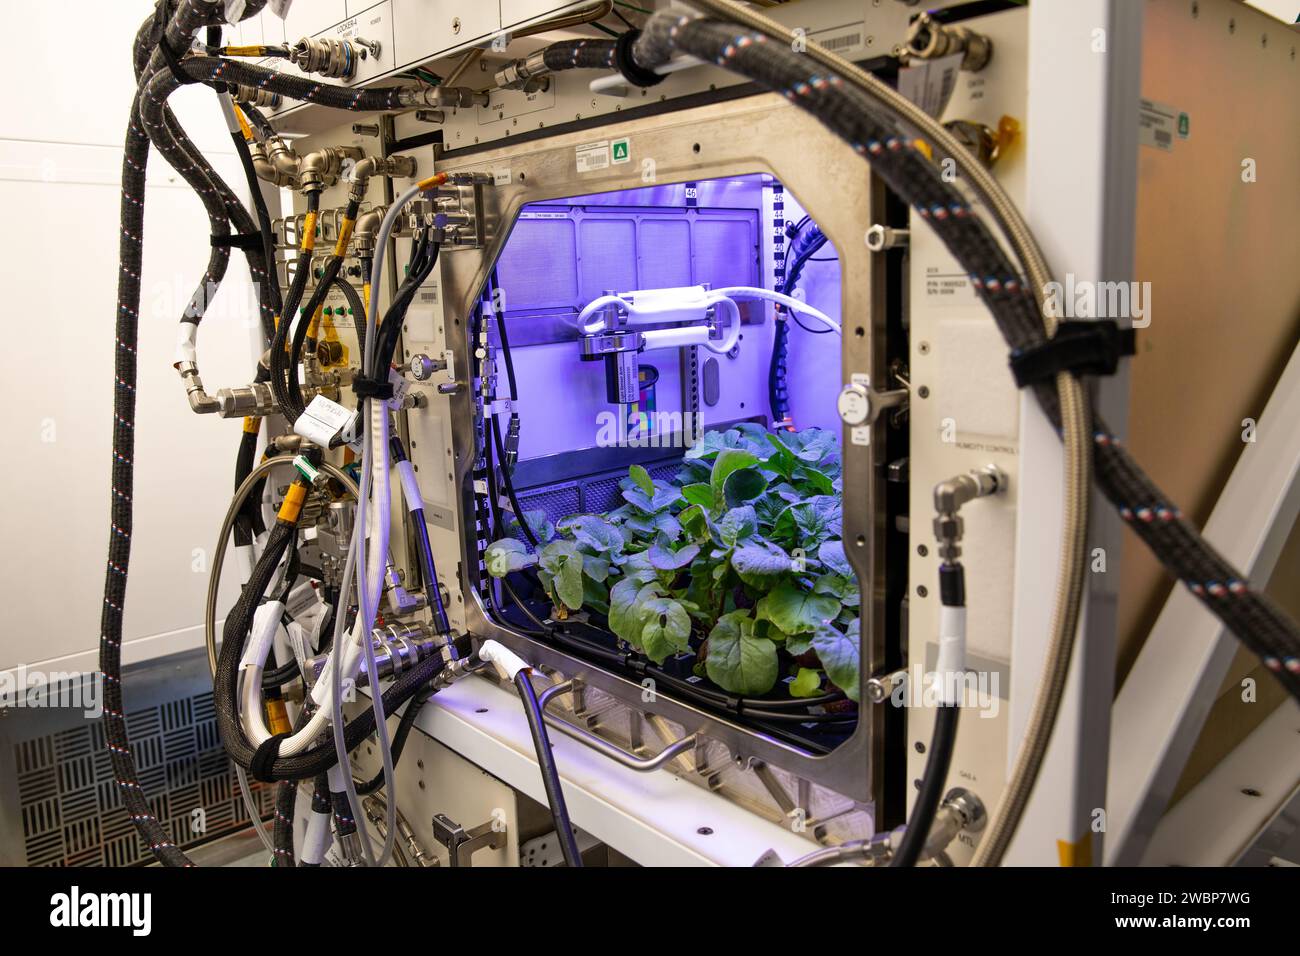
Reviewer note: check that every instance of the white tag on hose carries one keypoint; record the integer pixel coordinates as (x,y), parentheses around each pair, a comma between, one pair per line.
(186,343)
(323,421)
(410,487)
(265,623)
(950,664)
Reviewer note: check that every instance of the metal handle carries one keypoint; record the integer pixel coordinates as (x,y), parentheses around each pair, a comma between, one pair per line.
(617,754)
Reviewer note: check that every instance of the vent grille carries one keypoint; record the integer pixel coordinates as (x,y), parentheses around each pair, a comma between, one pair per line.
(69,804)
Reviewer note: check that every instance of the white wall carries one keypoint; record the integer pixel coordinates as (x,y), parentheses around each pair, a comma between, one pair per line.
(60,163)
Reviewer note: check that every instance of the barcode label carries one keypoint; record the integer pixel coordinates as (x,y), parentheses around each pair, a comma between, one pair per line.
(843,42)
(839,39)
(1156,125)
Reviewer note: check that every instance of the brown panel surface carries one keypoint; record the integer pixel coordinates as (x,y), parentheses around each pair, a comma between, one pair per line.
(1223,259)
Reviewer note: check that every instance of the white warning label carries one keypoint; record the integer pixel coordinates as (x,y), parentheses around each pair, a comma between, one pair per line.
(592,156)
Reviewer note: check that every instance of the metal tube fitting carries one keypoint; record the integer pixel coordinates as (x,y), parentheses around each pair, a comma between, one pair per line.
(322,168)
(929,39)
(200,402)
(526,73)
(950,495)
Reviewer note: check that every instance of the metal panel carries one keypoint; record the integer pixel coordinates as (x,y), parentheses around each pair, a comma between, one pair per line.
(59,802)
(759,134)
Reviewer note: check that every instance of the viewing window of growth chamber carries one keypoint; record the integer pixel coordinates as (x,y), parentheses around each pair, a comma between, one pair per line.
(665,363)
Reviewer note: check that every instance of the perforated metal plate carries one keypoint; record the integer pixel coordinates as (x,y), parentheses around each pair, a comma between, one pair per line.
(60,802)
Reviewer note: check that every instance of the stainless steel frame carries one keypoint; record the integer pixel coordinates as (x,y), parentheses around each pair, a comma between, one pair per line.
(759,134)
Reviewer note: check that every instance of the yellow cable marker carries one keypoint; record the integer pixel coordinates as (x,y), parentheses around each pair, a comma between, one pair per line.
(309,232)
(243,124)
(345,234)
(433,182)
(277,716)
(252,424)
(1078,853)
(292,506)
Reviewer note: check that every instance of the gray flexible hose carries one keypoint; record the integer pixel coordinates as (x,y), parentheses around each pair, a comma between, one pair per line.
(356,564)
(210,606)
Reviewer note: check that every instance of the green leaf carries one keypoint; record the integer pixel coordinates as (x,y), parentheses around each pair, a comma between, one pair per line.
(759,563)
(538,523)
(652,504)
(797,644)
(737,525)
(838,586)
(782,459)
(729,460)
(807,683)
(796,611)
(625,608)
(695,521)
(595,596)
(838,653)
(810,445)
(563,562)
(818,483)
(738,661)
(666,629)
(507,555)
(831,554)
(642,479)
(595,532)
(699,494)
(743,485)
(667,560)
(596,566)
(809,523)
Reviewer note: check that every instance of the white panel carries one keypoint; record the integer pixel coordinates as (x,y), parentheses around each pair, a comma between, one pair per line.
(958,357)
(426,27)
(59,174)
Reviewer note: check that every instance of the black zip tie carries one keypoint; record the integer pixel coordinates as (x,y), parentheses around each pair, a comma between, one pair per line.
(238,240)
(260,765)
(370,388)
(174,63)
(1082,347)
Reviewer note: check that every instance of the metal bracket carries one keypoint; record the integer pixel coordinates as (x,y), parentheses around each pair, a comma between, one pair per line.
(462,844)
(617,754)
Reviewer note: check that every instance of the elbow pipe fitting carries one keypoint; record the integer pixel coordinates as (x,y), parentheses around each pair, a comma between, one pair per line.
(201,403)
(323,167)
(929,39)
(950,495)
(391,166)
(363,234)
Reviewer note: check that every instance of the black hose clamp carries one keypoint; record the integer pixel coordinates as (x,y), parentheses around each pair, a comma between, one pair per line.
(174,64)
(632,72)
(372,388)
(238,240)
(1081,347)
(260,766)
